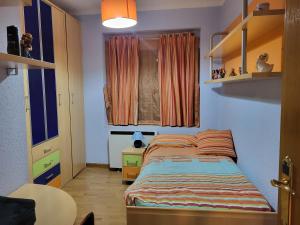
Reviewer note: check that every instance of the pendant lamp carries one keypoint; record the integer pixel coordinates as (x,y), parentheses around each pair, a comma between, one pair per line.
(118,13)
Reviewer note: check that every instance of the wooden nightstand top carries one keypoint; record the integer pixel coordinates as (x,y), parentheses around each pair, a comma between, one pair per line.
(133,151)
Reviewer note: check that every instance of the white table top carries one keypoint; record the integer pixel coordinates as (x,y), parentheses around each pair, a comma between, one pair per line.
(53,206)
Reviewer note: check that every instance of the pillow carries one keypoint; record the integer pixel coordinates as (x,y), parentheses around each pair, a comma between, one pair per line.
(216,142)
(174,140)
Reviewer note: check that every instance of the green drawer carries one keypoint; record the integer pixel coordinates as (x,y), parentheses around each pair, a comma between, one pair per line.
(44,164)
(132,160)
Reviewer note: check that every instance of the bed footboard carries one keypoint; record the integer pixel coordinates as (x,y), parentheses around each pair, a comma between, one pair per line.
(162,216)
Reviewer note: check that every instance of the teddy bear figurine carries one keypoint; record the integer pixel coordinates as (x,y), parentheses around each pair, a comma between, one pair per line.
(26,45)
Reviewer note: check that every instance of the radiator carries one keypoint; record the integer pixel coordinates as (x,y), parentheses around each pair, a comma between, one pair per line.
(119,140)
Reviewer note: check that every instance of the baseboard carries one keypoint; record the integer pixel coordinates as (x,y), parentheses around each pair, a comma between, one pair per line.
(97,165)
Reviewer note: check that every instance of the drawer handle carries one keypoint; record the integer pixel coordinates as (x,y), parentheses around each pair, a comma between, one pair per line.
(131,163)
(48,164)
(47,150)
(132,175)
(50,176)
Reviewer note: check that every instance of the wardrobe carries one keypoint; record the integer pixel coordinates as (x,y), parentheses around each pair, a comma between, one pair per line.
(54,98)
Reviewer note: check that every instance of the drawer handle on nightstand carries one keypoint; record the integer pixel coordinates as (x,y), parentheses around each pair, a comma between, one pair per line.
(50,176)
(47,150)
(48,164)
(132,175)
(132,164)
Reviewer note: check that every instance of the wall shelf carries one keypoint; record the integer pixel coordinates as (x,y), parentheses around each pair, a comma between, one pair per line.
(8,61)
(246,77)
(15,2)
(258,23)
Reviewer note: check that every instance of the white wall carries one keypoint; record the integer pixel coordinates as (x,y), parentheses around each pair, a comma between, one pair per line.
(13,146)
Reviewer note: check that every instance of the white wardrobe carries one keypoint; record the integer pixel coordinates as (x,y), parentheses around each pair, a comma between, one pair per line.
(59,158)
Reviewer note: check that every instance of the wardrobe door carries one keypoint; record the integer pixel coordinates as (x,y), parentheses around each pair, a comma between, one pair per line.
(47,32)
(37,113)
(35,77)
(62,77)
(31,16)
(49,75)
(76,93)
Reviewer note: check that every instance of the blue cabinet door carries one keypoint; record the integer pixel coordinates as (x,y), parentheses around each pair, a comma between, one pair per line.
(42,85)
(32,26)
(49,75)
(51,104)
(47,32)
(37,106)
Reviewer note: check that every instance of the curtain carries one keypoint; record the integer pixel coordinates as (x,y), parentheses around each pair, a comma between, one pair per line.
(122,71)
(149,99)
(178,72)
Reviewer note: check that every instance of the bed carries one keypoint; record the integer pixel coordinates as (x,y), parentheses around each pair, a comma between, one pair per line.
(187,181)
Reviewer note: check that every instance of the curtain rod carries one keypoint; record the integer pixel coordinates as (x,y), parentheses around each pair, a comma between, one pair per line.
(154,34)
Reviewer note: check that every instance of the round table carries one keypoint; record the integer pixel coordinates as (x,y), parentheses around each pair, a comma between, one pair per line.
(53,205)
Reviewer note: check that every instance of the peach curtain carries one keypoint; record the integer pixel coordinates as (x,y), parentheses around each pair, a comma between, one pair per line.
(178,71)
(122,72)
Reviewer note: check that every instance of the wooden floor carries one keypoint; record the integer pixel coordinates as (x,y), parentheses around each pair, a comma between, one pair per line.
(101,191)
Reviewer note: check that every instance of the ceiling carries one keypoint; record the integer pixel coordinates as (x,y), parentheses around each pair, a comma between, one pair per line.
(88,7)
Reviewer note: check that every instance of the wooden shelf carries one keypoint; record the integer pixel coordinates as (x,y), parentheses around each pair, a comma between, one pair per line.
(246,77)
(258,23)
(15,2)
(8,61)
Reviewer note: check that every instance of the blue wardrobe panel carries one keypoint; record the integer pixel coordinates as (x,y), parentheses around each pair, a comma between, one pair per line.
(36,106)
(47,32)
(32,26)
(51,106)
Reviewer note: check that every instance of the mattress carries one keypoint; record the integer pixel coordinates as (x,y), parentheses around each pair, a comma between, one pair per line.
(181,178)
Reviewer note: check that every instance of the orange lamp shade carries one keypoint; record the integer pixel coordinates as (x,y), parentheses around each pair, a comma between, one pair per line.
(118,13)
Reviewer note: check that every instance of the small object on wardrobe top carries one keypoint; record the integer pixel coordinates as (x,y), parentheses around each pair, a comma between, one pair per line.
(262,65)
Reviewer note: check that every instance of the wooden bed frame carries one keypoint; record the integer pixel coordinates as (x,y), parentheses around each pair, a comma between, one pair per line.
(164,216)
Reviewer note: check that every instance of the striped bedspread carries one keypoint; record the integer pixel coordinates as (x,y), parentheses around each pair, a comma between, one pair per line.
(181,178)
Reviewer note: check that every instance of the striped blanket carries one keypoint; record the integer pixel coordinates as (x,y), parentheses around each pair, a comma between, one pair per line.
(181,178)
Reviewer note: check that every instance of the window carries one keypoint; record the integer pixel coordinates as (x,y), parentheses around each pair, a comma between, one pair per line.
(153,80)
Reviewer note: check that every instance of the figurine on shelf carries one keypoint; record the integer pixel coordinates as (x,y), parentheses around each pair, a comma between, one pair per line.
(262,65)
(232,73)
(213,75)
(222,72)
(218,74)
(26,45)
(264,6)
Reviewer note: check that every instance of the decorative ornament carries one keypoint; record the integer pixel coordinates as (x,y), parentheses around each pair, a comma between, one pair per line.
(262,65)
(264,6)
(26,45)
(232,73)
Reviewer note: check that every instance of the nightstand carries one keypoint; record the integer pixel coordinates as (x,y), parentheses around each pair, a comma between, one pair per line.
(132,160)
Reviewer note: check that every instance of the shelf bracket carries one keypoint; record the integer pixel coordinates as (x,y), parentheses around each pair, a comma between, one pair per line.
(212,45)
(244,39)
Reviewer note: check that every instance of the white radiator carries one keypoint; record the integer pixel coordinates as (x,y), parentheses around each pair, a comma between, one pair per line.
(119,140)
